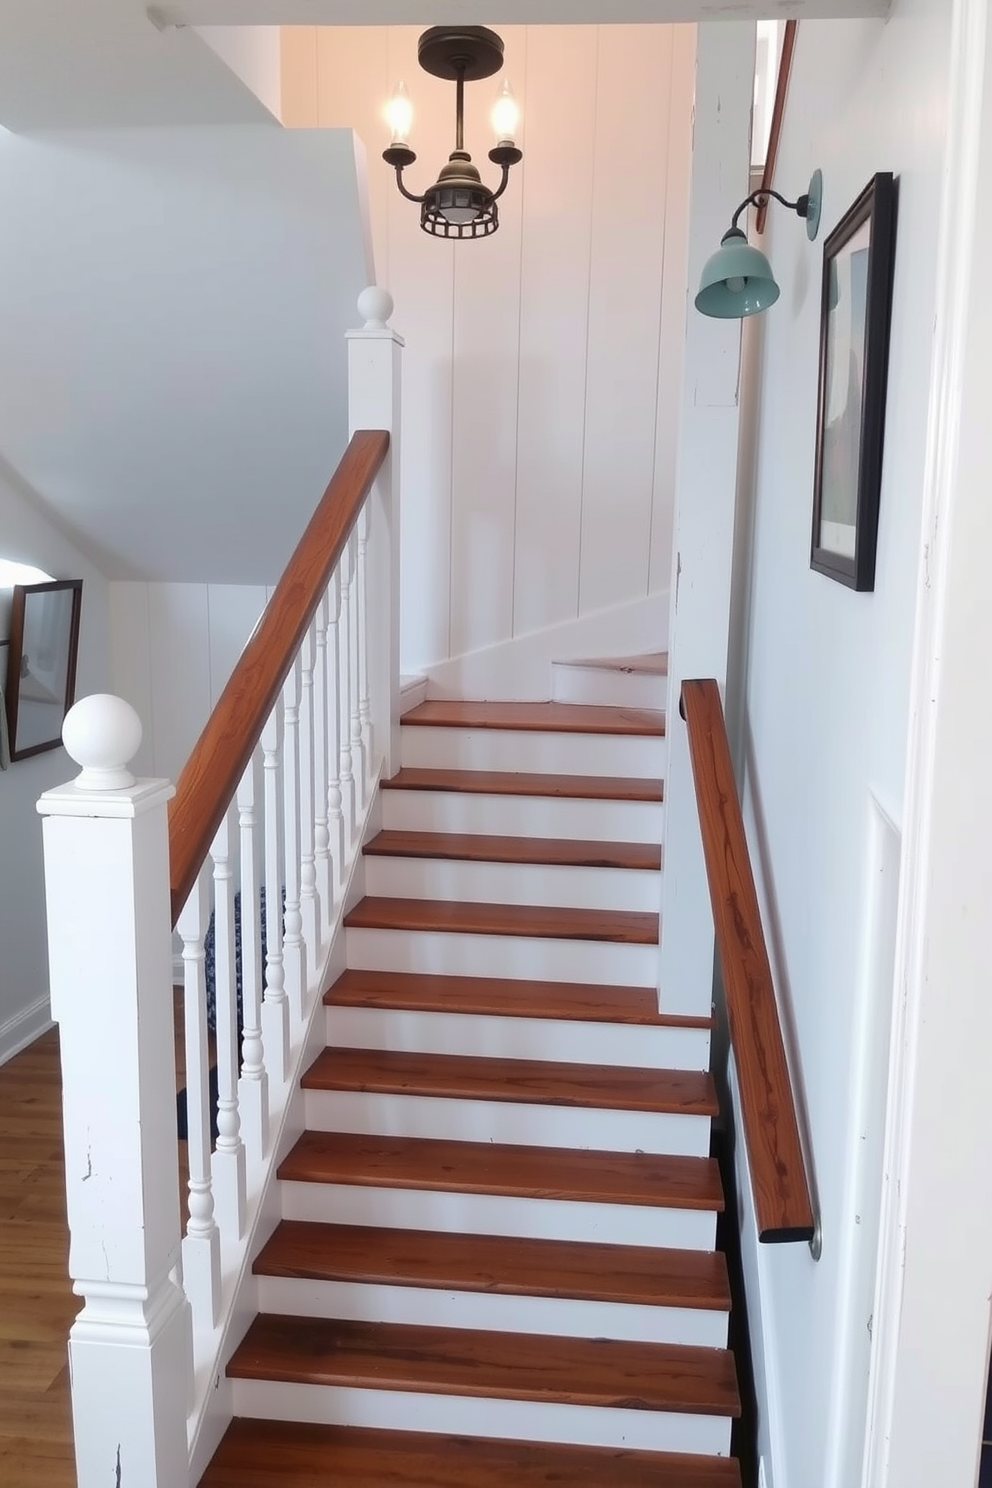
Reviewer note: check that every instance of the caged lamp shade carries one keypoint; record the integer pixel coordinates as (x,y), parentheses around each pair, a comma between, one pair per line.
(737,280)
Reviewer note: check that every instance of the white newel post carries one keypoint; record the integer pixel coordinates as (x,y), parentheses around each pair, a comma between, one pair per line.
(375,355)
(110,952)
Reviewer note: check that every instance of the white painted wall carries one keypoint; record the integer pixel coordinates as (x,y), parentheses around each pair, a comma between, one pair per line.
(543,366)
(28,535)
(253,54)
(826,701)
(174,302)
(173,648)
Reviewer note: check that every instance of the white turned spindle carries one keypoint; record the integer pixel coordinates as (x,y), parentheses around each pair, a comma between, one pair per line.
(364,705)
(293,947)
(275,1009)
(253,1087)
(110,969)
(309,900)
(349,808)
(229,1153)
(201,1246)
(321,837)
(374,376)
(335,815)
(357,753)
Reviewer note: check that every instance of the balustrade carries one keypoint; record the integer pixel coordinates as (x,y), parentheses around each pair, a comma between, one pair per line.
(263,834)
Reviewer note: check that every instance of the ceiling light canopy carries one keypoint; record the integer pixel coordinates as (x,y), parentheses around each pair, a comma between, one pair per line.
(459,204)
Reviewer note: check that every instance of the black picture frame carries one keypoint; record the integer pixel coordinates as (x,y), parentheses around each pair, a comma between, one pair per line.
(855,320)
(41,664)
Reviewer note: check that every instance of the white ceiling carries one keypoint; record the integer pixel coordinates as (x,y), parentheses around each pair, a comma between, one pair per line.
(65,63)
(172,360)
(495,12)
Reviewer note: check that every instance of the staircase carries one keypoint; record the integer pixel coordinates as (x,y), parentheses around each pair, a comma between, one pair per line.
(497,1259)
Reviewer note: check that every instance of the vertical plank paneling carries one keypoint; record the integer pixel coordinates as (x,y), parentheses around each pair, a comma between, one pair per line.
(233,611)
(674,303)
(554,305)
(543,366)
(421,280)
(624,312)
(486,353)
(129,661)
(179,663)
(298,65)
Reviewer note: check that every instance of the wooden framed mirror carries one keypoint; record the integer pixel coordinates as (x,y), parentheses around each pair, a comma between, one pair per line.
(41,664)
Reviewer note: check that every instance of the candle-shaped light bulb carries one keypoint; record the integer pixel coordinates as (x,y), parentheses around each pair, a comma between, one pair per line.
(505,115)
(399,115)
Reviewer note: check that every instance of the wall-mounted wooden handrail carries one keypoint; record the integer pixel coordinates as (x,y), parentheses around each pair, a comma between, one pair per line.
(778,116)
(211,774)
(782,1202)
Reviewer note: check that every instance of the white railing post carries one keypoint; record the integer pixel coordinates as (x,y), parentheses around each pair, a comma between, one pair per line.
(110,953)
(253,1087)
(374,369)
(275,1008)
(201,1247)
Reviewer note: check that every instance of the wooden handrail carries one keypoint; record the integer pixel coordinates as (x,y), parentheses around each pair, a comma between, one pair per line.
(219,758)
(778,115)
(782,1202)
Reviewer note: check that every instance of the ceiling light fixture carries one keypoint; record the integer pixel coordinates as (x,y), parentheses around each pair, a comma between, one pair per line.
(459,204)
(737,280)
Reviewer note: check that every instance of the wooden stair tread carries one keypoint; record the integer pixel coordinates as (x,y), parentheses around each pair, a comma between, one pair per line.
(503,996)
(558,718)
(480,847)
(291,1454)
(551,922)
(536,1081)
(520,783)
(470,1362)
(639,1178)
(507,1265)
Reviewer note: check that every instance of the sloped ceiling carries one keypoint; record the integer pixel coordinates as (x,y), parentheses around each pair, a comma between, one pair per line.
(173,304)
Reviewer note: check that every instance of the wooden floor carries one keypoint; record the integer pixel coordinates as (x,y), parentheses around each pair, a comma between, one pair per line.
(37,1304)
(36,1301)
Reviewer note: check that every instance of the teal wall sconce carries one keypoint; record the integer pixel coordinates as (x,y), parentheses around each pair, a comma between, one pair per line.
(737,280)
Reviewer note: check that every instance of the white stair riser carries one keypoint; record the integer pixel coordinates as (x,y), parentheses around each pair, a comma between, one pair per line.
(503,956)
(523,816)
(497,1214)
(461,1415)
(561,754)
(527,1125)
(562,1317)
(519,1038)
(607,687)
(513,883)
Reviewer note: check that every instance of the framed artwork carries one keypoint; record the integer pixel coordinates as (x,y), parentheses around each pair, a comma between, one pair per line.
(855,314)
(41,664)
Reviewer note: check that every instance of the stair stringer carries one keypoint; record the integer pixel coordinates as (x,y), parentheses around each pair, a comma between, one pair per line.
(213,1389)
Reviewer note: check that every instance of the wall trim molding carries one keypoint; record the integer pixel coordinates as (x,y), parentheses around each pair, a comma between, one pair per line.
(24,1027)
(520,668)
(959,224)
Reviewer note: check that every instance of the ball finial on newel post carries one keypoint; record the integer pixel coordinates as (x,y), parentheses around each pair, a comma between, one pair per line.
(376,306)
(103,734)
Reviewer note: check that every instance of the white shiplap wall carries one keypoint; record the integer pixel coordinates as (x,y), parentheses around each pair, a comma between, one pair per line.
(173,647)
(543,365)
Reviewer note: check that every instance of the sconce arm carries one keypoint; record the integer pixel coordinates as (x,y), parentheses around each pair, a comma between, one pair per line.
(760,199)
(399,157)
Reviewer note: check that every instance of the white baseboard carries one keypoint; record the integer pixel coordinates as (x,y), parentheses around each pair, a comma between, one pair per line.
(24,1027)
(521,668)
